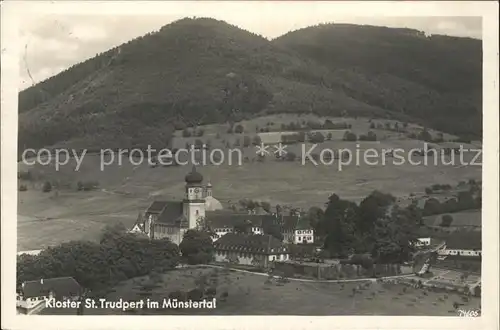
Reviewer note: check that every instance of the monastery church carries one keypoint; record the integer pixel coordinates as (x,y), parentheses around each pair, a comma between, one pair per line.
(171,219)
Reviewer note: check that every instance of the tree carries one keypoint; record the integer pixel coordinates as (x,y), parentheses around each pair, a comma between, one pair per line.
(256,140)
(301,136)
(275,231)
(97,266)
(424,135)
(238,129)
(198,144)
(47,187)
(349,136)
(204,225)
(394,237)
(432,206)
(338,226)
(314,216)
(197,247)
(246,141)
(112,233)
(465,200)
(371,136)
(266,206)
(371,208)
(317,138)
(446,220)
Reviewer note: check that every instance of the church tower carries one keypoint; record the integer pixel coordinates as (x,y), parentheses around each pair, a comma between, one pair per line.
(208,190)
(194,201)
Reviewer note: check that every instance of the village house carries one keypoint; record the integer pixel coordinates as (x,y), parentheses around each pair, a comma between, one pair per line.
(423,242)
(249,249)
(32,295)
(296,229)
(464,246)
(171,219)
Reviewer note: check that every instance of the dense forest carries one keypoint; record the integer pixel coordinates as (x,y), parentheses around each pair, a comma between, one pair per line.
(199,71)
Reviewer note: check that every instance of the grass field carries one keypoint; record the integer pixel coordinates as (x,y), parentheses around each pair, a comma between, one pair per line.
(127,189)
(249,294)
(470,218)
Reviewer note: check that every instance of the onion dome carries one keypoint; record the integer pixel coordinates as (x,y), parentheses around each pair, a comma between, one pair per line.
(194,177)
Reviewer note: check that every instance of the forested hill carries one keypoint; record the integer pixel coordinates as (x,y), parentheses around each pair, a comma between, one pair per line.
(436,78)
(198,71)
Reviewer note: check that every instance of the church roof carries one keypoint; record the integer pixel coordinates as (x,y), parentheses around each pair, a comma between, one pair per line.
(223,219)
(171,212)
(194,176)
(250,243)
(156,207)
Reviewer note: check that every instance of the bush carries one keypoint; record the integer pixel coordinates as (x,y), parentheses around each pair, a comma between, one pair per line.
(195,294)
(87,185)
(371,136)
(350,136)
(25,175)
(256,140)
(186,133)
(446,220)
(290,157)
(212,291)
(47,186)
(178,295)
(238,129)
(317,138)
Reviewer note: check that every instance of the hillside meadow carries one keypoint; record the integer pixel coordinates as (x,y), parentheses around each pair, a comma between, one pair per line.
(125,190)
(251,294)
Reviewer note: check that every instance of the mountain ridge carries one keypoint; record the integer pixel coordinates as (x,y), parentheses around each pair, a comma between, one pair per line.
(199,71)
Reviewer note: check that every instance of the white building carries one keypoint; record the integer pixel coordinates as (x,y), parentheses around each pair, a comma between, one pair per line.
(249,249)
(297,230)
(303,236)
(422,242)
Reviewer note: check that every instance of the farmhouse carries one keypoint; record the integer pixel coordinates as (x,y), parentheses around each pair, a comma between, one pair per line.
(466,244)
(171,219)
(423,241)
(249,249)
(33,294)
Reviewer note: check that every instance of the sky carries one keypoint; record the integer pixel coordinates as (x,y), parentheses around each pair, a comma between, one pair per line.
(51,42)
